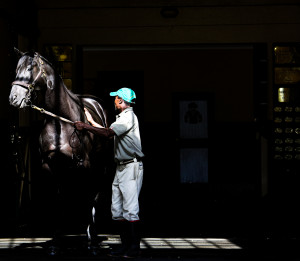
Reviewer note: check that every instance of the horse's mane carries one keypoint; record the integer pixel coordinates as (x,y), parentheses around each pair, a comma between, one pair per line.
(46,61)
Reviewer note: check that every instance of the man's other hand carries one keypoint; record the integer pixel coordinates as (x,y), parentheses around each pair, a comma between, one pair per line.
(79,125)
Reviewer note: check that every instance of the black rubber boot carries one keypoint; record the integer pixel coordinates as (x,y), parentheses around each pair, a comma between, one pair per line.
(125,239)
(135,239)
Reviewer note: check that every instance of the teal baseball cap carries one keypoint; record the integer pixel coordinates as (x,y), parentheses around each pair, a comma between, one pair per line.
(125,93)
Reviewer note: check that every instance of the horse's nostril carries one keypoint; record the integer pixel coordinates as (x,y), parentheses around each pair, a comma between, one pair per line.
(13,98)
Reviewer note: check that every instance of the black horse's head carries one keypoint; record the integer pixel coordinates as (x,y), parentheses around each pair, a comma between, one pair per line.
(33,73)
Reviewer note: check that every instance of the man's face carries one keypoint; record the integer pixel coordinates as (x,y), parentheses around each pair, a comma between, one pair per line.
(118,102)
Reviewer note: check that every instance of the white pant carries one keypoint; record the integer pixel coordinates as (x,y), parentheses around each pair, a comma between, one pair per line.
(125,191)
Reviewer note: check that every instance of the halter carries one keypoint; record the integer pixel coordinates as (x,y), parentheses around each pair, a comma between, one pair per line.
(31,86)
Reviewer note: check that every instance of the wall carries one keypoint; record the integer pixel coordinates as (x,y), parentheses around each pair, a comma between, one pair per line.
(142,23)
(134,23)
(226,72)
(5,68)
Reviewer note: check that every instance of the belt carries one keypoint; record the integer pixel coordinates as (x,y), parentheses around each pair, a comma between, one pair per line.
(124,162)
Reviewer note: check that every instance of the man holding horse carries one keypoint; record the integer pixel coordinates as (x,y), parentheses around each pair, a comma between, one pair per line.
(128,178)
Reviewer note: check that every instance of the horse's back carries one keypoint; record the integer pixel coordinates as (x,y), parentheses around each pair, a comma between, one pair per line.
(93,104)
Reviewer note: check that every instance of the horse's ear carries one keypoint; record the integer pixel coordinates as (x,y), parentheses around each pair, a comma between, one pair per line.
(18,52)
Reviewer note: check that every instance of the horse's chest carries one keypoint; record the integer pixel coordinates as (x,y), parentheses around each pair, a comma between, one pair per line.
(56,138)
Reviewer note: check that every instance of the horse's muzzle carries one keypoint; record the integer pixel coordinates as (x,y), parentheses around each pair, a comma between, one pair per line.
(17,97)
(16,102)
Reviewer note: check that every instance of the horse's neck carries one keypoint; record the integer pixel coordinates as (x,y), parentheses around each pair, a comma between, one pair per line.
(61,101)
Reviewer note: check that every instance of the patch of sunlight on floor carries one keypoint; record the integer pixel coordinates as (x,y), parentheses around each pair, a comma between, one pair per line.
(189,243)
(150,243)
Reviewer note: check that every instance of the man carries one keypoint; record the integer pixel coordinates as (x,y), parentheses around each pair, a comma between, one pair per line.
(129,171)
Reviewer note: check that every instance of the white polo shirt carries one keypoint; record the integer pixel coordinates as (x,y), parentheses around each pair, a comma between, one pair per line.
(127,141)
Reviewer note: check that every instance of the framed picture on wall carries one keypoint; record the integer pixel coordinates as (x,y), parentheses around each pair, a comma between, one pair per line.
(193,119)
(192,113)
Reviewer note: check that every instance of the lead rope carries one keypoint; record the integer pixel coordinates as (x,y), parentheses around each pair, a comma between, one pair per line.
(41,110)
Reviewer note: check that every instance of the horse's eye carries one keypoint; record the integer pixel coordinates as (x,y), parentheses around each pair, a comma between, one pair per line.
(29,68)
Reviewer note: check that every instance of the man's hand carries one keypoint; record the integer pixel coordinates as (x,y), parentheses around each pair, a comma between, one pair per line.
(88,116)
(91,120)
(79,125)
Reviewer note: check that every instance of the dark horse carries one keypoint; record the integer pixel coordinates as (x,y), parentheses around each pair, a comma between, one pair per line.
(62,148)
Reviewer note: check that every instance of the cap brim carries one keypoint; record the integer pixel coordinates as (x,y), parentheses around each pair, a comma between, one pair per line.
(113,94)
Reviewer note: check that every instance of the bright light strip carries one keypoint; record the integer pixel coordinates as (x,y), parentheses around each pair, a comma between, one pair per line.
(146,243)
(189,243)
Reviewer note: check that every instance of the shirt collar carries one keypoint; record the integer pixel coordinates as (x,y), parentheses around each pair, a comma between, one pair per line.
(126,110)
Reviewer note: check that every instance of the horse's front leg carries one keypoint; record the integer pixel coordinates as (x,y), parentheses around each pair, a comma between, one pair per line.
(52,207)
(93,244)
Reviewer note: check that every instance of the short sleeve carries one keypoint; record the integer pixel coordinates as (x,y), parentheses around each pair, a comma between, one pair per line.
(123,124)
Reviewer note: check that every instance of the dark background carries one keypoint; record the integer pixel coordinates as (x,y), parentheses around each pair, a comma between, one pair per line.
(166,51)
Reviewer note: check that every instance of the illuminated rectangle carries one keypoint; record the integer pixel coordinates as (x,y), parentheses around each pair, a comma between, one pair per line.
(194,165)
(285,75)
(286,54)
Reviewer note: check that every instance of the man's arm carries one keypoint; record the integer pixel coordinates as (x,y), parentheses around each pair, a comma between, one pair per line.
(104,132)
(97,129)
